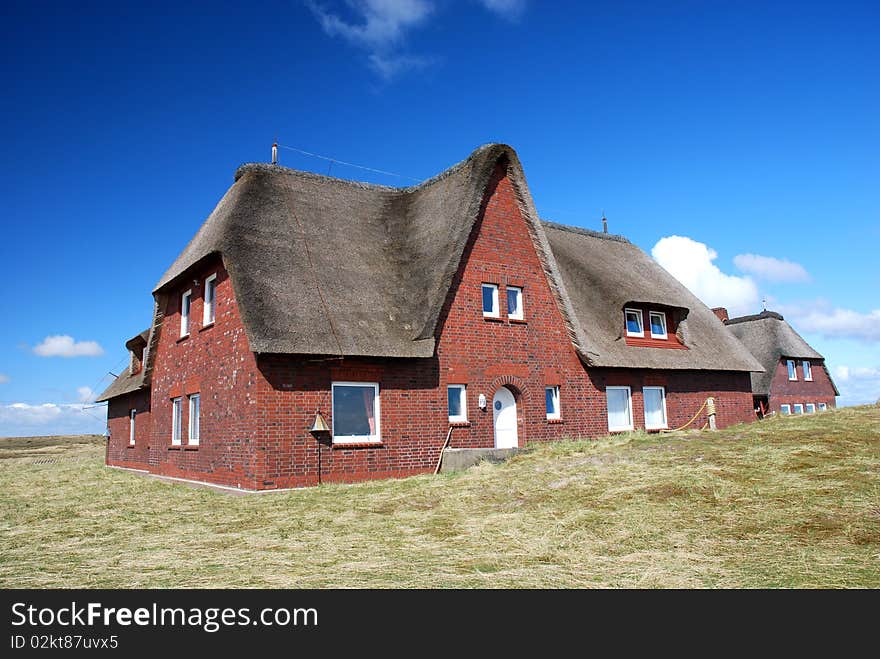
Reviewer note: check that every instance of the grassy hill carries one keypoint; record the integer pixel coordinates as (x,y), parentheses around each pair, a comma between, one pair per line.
(790,502)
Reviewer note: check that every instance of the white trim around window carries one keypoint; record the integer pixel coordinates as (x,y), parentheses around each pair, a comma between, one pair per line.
(785,410)
(456,401)
(636,314)
(131,422)
(654,400)
(356,413)
(618,401)
(517,306)
(551,402)
(662,317)
(490,310)
(808,371)
(185,308)
(195,422)
(792,370)
(176,420)
(209,311)
(823,407)
(798,408)
(811,408)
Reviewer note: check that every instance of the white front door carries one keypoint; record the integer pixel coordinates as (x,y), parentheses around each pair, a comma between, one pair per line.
(504,411)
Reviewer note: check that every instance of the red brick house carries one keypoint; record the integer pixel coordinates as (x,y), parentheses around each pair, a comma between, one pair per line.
(795,379)
(396,314)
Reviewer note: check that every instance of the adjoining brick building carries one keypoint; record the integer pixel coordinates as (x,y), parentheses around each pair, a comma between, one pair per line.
(795,378)
(394,314)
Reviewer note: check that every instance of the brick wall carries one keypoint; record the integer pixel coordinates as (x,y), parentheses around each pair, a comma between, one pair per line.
(256,411)
(786,392)
(120,451)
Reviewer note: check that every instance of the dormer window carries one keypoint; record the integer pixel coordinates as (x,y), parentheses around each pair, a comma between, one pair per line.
(658,325)
(490,301)
(634,325)
(792,370)
(185,303)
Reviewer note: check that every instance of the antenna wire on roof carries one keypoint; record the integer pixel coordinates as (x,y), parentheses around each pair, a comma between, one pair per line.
(336,161)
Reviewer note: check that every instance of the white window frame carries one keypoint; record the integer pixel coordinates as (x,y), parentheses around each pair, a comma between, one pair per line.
(807,368)
(185,312)
(807,407)
(794,409)
(176,421)
(663,401)
(823,407)
(791,365)
(785,409)
(638,312)
(495,312)
(376,437)
(519,299)
(462,402)
(629,397)
(194,422)
(131,427)
(556,402)
(662,316)
(209,311)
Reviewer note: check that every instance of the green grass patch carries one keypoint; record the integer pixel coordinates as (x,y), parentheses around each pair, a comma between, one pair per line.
(788,502)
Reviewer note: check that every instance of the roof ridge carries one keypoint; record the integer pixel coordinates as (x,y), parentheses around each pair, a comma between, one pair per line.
(586,232)
(301,173)
(757,316)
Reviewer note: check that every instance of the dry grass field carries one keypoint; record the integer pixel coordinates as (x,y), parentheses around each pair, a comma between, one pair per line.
(790,502)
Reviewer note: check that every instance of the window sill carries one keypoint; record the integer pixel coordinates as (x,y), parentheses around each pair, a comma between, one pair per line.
(131,446)
(559,420)
(493,319)
(460,424)
(191,447)
(518,321)
(182,338)
(206,326)
(175,447)
(350,445)
(619,430)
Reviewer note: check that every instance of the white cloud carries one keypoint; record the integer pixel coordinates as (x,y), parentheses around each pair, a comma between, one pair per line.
(509,9)
(22,419)
(382,22)
(821,317)
(858,385)
(380,27)
(691,262)
(771,269)
(4,378)
(62,345)
(85,395)
(389,66)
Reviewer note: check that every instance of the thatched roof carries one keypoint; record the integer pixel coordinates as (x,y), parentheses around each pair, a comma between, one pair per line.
(770,338)
(125,383)
(384,259)
(604,273)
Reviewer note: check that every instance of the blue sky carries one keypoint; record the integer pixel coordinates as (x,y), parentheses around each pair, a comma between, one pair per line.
(711,133)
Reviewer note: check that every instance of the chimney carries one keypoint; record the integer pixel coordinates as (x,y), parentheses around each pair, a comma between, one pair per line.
(604,224)
(275,153)
(721,312)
